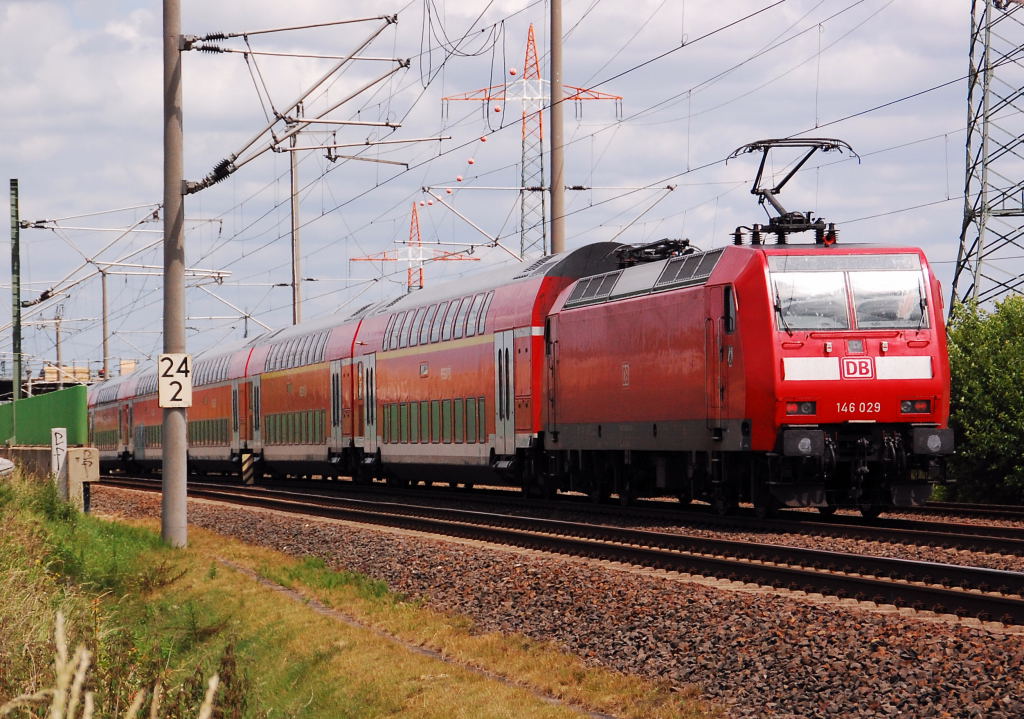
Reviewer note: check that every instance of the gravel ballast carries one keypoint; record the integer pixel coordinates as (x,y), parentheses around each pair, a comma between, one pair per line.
(758,653)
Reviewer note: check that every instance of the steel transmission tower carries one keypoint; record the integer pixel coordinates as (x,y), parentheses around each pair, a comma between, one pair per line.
(416,255)
(990,262)
(532,91)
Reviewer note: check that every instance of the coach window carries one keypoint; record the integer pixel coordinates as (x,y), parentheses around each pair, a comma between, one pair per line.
(389,338)
(460,427)
(387,331)
(396,332)
(446,421)
(407,328)
(729,298)
(417,327)
(321,346)
(481,426)
(460,319)
(427,322)
(474,314)
(471,419)
(435,420)
(405,422)
(449,320)
(435,326)
(414,422)
(425,421)
(483,313)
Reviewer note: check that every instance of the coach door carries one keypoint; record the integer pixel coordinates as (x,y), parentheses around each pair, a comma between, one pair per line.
(242,395)
(255,415)
(504,393)
(551,352)
(236,416)
(336,406)
(369,403)
(126,428)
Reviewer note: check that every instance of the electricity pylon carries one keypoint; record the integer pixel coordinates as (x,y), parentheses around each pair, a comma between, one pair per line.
(990,261)
(532,91)
(415,254)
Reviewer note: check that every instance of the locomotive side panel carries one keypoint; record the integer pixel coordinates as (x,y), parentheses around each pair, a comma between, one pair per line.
(632,374)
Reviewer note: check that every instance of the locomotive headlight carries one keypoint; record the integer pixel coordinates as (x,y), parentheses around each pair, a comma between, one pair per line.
(801,407)
(916,406)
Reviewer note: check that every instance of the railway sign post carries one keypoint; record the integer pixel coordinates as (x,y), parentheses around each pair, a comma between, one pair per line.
(174,379)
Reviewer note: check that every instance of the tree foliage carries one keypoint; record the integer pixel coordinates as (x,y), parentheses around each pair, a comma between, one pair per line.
(986,354)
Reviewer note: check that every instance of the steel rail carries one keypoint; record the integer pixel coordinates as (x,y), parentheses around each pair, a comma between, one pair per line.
(983,593)
(972,537)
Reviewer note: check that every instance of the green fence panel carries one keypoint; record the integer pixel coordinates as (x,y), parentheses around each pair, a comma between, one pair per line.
(29,421)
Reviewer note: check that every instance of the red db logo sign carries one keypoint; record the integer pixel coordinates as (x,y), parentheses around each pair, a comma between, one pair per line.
(858,368)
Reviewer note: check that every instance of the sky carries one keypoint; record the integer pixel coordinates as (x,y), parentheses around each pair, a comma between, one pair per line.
(82,128)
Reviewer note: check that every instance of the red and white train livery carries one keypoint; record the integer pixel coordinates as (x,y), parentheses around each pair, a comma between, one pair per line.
(783,375)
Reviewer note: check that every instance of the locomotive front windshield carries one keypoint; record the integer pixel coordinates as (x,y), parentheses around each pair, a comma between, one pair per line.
(843,292)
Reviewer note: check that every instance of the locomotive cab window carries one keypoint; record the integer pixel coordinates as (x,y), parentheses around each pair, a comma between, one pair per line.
(842,292)
(810,300)
(729,311)
(888,300)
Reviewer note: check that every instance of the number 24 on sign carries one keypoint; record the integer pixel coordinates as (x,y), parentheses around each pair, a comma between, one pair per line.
(174,380)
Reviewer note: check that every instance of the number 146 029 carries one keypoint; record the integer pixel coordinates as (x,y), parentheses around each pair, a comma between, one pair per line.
(858,407)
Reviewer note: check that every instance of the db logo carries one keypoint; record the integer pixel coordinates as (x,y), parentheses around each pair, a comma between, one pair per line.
(858,368)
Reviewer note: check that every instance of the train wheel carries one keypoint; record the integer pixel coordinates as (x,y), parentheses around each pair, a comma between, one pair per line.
(826,511)
(870,511)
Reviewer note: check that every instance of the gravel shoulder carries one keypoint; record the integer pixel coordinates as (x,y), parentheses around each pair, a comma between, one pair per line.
(760,654)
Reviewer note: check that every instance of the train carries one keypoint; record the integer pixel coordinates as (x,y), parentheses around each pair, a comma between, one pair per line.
(776,374)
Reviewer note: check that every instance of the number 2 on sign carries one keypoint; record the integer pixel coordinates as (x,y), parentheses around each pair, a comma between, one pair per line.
(174,383)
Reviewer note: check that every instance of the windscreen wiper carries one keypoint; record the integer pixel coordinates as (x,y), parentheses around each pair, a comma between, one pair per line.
(782,317)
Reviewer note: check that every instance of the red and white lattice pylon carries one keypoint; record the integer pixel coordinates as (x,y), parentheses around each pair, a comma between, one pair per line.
(531,90)
(416,254)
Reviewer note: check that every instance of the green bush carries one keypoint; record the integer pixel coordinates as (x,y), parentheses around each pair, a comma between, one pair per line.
(986,355)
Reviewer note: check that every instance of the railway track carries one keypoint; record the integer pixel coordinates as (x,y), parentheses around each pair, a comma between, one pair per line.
(965,591)
(970,537)
(983,511)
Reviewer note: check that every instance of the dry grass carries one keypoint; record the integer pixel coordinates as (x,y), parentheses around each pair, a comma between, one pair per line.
(539,667)
(68,698)
(153,623)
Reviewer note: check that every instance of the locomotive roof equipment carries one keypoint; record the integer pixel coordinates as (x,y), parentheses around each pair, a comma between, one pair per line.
(787,222)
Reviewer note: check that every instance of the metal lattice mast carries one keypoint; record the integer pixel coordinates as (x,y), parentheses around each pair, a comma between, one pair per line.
(532,90)
(416,255)
(990,261)
(532,201)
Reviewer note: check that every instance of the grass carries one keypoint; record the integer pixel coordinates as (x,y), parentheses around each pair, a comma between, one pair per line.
(157,623)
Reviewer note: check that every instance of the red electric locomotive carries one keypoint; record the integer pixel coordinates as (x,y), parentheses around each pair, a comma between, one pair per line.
(778,374)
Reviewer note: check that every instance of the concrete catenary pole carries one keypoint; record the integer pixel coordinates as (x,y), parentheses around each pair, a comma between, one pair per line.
(557,134)
(106,326)
(296,256)
(15,291)
(174,527)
